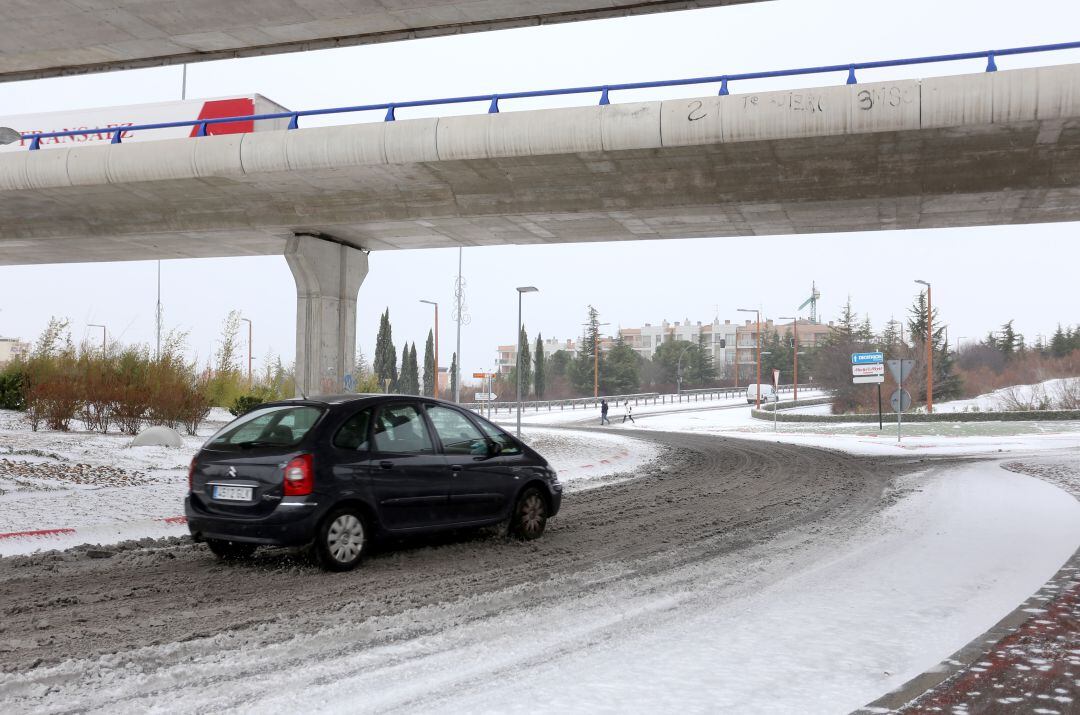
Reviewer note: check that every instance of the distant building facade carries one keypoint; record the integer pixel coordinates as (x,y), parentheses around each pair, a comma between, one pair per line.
(12,349)
(506,358)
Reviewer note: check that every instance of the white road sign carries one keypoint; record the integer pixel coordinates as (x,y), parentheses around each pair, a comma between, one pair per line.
(868,379)
(486,396)
(863,370)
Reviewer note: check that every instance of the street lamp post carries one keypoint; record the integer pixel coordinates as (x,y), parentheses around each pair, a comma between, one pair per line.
(757,336)
(929,350)
(250,333)
(95,325)
(435,389)
(795,377)
(521,291)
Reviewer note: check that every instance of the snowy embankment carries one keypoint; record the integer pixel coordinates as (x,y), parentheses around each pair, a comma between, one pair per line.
(1019,397)
(808,625)
(85,487)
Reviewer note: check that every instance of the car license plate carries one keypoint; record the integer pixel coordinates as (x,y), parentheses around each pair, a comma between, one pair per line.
(233,493)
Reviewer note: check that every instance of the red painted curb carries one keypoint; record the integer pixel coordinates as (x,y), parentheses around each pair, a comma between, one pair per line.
(38,532)
(58,532)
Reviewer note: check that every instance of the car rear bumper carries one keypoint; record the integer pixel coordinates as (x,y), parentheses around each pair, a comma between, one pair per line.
(290,524)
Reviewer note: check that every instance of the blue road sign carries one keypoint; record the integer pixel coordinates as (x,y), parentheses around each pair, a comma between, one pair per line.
(867,358)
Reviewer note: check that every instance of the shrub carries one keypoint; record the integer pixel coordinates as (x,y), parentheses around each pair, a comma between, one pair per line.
(11,389)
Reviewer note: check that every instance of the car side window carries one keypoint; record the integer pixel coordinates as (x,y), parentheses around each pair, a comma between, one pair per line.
(457,434)
(505,441)
(401,429)
(353,435)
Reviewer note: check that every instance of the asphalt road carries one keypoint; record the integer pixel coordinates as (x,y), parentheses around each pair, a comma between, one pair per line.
(705,497)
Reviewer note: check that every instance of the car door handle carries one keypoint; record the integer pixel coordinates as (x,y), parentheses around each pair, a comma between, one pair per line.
(455,467)
(386,464)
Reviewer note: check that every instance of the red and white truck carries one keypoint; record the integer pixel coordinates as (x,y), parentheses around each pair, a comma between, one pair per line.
(113,118)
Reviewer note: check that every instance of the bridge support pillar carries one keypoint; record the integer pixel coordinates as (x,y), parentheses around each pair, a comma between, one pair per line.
(328,277)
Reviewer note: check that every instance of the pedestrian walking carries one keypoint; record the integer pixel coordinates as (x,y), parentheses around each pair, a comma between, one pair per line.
(628,414)
(603,413)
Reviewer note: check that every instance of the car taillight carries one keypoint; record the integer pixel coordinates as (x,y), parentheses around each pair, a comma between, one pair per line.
(191,474)
(299,477)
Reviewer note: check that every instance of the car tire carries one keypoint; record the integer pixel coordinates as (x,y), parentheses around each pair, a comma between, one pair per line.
(342,539)
(530,515)
(230,550)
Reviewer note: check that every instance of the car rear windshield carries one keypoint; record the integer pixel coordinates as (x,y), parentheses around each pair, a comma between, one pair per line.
(281,426)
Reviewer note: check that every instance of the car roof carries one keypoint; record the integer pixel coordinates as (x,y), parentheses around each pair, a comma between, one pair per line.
(333,400)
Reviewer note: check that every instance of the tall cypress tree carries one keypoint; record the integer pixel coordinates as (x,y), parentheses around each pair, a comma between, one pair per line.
(453,375)
(525,363)
(429,365)
(539,367)
(386,355)
(410,374)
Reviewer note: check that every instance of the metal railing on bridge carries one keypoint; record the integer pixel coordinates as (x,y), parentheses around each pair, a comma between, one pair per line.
(645,398)
(604,90)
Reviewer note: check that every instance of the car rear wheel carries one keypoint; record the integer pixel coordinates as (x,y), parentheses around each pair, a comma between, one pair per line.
(230,550)
(530,515)
(342,540)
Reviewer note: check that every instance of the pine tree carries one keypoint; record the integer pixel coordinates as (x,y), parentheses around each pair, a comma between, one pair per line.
(524,363)
(947,384)
(386,355)
(583,368)
(539,368)
(702,370)
(622,370)
(453,374)
(890,336)
(429,365)
(361,369)
(1009,343)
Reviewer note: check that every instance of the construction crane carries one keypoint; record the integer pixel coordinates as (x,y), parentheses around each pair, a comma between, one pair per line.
(812,302)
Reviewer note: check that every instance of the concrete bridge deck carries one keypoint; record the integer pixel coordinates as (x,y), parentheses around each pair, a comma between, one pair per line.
(969,150)
(46,38)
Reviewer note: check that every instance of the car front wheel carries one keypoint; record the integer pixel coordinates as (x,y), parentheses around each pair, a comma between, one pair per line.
(530,515)
(342,540)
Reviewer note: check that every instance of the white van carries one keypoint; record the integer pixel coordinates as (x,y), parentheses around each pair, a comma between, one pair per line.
(768,394)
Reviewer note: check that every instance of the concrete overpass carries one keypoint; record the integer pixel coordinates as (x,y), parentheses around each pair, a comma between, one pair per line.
(48,38)
(971,150)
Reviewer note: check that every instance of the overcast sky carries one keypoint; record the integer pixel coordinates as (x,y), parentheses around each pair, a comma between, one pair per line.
(981,276)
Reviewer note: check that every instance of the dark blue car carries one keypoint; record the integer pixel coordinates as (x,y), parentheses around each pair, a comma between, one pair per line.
(333,472)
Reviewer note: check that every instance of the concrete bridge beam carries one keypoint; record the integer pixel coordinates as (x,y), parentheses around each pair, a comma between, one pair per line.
(328,276)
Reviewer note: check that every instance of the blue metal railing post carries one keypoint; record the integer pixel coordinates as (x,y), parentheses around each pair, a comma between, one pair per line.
(991,66)
(604,97)
(202,130)
(294,122)
(389,113)
(493,108)
(35,143)
(851,75)
(723,87)
(116,136)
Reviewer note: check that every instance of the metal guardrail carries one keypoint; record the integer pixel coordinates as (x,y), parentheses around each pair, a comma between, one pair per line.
(604,90)
(653,398)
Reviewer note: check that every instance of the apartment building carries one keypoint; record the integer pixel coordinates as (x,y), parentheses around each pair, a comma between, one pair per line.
(719,337)
(507,354)
(11,349)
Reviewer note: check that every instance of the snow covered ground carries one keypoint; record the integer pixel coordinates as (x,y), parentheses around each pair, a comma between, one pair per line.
(790,625)
(1013,397)
(107,491)
(929,438)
